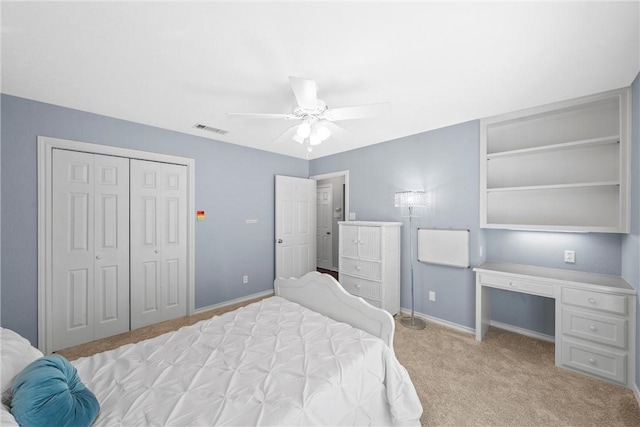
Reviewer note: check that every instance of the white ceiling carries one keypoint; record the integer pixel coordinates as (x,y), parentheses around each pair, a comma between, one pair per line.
(171,64)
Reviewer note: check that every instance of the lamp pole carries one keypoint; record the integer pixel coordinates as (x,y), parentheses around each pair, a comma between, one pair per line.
(412,322)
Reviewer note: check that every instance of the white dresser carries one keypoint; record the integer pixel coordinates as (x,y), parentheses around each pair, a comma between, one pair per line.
(595,315)
(370,262)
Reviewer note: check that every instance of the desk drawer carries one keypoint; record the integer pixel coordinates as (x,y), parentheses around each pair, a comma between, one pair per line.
(361,287)
(595,327)
(595,300)
(517,285)
(605,364)
(358,267)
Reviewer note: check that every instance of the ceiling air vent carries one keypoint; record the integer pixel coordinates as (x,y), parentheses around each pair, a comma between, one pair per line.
(211,129)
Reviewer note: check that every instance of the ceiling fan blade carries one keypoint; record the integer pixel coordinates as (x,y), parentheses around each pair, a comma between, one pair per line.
(358,112)
(287,135)
(261,116)
(306,92)
(337,132)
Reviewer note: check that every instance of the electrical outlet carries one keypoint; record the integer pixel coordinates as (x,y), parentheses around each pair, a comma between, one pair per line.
(432,296)
(245,279)
(352,216)
(570,257)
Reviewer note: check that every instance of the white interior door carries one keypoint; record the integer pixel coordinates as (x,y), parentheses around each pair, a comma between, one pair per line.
(90,247)
(158,242)
(324,226)
(295,245)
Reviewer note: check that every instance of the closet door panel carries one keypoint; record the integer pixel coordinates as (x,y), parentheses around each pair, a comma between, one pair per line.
(72,248)
(158,242)
(150,287)
(174,245)
(145,196)
(111,245)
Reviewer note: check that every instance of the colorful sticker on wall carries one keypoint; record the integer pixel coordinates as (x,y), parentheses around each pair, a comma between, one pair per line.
(200,215)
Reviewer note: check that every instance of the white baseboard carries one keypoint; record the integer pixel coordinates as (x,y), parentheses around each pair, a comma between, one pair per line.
(468,330)
(439,321)
(636,391)
(233,301)
(522,331)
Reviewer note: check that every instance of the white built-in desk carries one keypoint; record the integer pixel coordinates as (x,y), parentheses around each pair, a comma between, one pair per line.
(595,315)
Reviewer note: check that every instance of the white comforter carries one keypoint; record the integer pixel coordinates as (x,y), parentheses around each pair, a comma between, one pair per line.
(273,362)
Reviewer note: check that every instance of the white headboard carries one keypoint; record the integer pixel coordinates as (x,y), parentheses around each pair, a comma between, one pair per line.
(323,294)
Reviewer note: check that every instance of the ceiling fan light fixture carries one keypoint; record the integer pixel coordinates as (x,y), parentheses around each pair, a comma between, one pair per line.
(314,139)
(322,132)
(299,139)
(304,130)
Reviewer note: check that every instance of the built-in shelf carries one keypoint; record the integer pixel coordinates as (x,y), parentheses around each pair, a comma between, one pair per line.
(560,167)
(556,186)
(615,139)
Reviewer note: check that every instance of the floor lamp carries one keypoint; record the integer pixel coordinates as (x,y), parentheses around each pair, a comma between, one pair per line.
(411,204)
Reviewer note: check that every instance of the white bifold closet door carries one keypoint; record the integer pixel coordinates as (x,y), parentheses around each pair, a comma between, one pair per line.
(158,242)
(90,247)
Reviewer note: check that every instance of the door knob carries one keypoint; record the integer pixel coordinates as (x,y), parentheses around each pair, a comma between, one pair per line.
(98,256)
(157,251)
(279,240)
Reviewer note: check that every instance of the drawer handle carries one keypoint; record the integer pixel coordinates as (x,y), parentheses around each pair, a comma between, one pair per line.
(361,242)
(355,241)
(357,267)
(513,285)
(592,327)
(592,301)
(358,286)
(592,360)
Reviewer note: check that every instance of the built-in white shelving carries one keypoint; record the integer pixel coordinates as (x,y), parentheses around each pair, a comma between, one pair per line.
(553,147)
(559,167)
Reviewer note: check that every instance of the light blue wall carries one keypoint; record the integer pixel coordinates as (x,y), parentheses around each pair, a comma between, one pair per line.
(631,241)
(233,183)
(443,162)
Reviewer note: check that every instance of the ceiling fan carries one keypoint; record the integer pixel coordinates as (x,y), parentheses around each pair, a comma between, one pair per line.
(317,120)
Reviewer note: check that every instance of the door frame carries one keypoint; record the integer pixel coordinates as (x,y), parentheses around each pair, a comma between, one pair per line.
(46,145)
(330,187)
(345,174)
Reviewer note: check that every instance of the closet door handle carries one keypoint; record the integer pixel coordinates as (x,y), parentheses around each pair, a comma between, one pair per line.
(157,251)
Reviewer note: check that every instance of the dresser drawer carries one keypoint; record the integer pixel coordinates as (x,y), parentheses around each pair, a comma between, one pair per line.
(517,285)
(361,287)
(595,300)
(358,267)
(605,364)
(595,327)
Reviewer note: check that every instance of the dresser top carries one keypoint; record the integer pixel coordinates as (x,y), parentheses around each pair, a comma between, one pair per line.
(558,275)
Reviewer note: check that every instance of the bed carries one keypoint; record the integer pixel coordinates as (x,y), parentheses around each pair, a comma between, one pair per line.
(310,355)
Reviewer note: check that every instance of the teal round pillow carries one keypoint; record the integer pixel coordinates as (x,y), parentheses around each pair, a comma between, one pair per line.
(49,392)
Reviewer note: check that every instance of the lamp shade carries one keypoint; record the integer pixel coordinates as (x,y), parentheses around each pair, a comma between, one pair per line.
(411,203)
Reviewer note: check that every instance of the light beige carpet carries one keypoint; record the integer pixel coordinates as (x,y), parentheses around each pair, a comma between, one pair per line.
(506,380)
